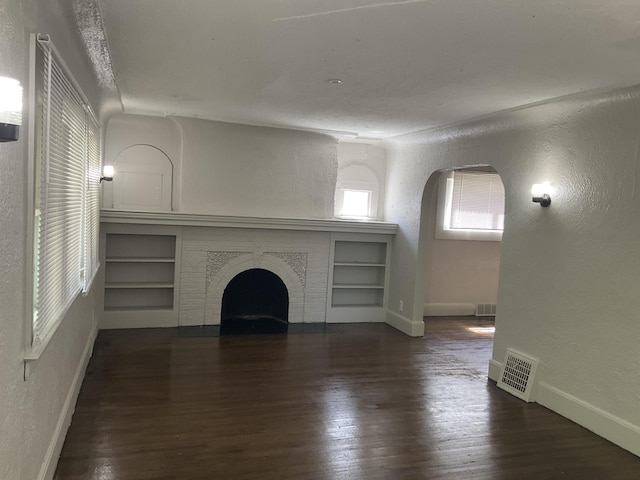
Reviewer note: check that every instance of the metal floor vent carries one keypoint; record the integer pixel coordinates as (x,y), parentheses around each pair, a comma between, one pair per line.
(517,374)
(485,310)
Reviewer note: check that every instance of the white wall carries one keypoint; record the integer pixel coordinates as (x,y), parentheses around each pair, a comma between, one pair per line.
(30,410)
(230,169)
(568,274)
(124,131)
(460,271)
(240,170)
(374,159)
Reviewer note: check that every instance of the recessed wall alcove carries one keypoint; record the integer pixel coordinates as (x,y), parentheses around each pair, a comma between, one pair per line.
(255,301)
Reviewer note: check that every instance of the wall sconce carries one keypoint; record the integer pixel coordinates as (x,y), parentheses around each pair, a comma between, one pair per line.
(10,109)
(540,194)
(107,173)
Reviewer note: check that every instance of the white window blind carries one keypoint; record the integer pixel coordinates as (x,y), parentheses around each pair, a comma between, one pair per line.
(477,201)
(67,198)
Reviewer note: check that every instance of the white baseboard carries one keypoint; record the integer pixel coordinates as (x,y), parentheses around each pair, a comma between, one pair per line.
(601,422)
(494,370)
(448,309)
(50,463)
(405,325)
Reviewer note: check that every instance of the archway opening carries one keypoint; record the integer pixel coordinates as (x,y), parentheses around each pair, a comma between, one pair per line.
(460,241)
(255,301)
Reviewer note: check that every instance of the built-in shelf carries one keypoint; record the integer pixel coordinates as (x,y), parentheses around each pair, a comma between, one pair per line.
(355,285)
(139,285)
(140,260)
(138,309)
(358,277)
(358,264)
(140,271)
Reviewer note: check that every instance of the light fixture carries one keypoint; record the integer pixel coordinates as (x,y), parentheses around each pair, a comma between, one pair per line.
(335,81)
(107,173)
(540,194)
(10,109)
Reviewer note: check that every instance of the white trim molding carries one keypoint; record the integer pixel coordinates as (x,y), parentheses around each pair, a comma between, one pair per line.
(495,368)
(624,434)
(197,220)
(601,422)
(448,309)
(48,468)
(405,325)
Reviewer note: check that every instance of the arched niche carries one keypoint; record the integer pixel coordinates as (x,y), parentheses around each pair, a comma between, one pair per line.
(143,179)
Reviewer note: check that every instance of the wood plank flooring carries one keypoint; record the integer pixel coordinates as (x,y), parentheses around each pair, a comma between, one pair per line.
(357,402)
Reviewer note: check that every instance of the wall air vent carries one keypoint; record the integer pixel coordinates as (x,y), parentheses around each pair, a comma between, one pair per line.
(486,310)
(517,374)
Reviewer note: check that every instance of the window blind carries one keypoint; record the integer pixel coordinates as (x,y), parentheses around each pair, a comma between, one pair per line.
(477,202)
(67,202)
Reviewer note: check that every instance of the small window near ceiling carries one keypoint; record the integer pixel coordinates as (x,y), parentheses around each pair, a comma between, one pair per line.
(356,203)
(357,193)
(470,206)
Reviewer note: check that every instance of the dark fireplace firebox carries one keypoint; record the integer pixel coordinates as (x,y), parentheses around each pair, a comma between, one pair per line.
(255,301)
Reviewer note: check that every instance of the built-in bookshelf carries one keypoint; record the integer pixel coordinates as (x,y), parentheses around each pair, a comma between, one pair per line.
(140,275)
(358,279)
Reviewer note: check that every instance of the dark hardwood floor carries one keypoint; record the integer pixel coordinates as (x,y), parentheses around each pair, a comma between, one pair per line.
(354,402)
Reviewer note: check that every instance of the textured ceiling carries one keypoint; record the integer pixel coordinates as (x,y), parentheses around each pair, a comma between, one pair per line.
(406,65)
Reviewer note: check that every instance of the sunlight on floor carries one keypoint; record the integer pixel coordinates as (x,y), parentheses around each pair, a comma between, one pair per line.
(483,330)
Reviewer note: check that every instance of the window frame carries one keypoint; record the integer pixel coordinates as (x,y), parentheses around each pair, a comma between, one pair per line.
(341,197)
(358,183)
(88,184)
(443,214)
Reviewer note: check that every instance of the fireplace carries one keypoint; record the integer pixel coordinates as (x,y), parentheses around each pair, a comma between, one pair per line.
(255,301)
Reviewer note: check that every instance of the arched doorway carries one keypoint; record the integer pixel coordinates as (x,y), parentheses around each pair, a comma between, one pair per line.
(255,301)
(460,242)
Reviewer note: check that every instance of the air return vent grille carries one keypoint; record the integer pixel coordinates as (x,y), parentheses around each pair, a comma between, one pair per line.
(486,310)
(517,374)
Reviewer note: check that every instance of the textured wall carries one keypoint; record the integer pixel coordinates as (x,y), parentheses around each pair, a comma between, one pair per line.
(372,157)
(30,410)
(462,272)
(459,271)
(253,171)
(568,274)
(230,169)
(124,131)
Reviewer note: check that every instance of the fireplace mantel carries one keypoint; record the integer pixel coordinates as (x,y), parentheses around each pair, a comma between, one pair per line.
(223,221)
(165,269)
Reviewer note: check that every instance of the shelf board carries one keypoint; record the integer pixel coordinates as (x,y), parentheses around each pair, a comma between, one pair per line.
(124,285)
(140,308)
(140,260)
(359,286)
(358,264)
(356,305)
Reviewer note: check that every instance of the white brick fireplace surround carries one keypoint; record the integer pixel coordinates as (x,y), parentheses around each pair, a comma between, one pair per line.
(210,251)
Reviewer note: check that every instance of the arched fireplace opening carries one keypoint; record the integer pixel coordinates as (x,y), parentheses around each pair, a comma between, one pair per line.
(255,301)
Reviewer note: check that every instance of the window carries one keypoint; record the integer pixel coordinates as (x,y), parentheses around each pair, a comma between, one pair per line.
(356,203)
(470,206)
(67,194)
(357,193)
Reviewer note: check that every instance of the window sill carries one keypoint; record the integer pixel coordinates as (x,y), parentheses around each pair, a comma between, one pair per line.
(475,235)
